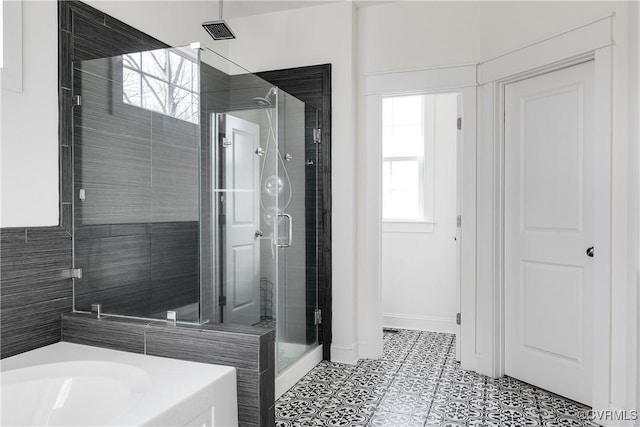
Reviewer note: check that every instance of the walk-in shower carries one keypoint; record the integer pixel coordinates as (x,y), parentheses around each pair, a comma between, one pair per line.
(195,193)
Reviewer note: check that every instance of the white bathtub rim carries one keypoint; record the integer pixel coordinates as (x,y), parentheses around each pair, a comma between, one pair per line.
(172,383)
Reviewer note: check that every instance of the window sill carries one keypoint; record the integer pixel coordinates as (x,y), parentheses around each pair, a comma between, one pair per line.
(407,227)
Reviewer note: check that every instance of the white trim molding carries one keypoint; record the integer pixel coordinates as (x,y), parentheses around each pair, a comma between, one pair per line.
(582,40)
(407,227)
(602,226)
(419,323)
(432,80)
(345,354)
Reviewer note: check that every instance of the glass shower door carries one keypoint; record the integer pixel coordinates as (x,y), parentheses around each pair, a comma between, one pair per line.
(297,290)
(262,235)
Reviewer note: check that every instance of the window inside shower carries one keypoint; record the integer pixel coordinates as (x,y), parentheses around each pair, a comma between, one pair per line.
(163,81)
(195,193)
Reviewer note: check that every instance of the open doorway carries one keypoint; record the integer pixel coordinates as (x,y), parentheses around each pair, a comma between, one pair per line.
(420,147)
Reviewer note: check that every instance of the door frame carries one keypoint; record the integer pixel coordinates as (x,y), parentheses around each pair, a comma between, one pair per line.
(594,44)
(460,79)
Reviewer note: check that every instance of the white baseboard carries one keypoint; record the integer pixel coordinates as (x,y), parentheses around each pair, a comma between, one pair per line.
(344,354)
(287,378)
(420,323)
(368,351)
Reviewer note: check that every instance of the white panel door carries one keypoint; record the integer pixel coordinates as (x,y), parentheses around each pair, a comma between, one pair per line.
(242,221)
(549,166)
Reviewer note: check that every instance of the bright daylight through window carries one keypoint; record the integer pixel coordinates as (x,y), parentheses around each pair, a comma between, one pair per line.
(412,126)
(163,81)
(404,147)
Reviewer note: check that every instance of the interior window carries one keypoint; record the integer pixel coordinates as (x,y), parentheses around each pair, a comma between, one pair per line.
(403,162)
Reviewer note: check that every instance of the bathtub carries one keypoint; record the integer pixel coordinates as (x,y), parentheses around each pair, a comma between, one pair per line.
(66,384)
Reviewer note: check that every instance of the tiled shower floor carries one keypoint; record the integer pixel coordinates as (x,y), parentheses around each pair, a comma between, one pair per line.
(418,383)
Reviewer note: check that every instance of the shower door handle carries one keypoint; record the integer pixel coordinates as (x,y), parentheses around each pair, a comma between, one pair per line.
(289,231)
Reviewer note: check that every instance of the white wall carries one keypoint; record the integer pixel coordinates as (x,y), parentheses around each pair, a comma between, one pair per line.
(176,23)
(29,135)
(419,287)
(311,36)
(410,35)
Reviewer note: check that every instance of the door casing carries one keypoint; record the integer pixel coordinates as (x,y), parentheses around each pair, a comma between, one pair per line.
(459,79)
(602,217)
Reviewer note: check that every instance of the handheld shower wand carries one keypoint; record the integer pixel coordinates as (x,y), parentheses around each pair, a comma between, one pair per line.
(265,103)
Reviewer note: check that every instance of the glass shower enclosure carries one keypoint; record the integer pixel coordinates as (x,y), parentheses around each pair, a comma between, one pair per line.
(195,193)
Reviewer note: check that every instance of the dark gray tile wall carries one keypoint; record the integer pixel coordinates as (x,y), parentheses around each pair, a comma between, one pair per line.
(109,333)
(116,268)
(139,269)
(34,292)
(249,349)
(174,265)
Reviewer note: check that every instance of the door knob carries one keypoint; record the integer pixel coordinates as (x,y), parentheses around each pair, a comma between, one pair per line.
(590,252)
(259,233)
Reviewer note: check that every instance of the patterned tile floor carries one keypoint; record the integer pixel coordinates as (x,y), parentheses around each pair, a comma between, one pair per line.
(418,383)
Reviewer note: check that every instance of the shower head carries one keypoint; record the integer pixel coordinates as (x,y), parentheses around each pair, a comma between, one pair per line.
(219,30)
(262,102)
(265,102)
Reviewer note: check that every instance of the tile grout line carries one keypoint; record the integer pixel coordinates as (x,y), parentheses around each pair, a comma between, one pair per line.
(535,395)
(484,399)
(444,364)
(402,362)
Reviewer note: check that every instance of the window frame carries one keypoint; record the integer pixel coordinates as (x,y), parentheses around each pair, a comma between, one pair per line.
(146,76)
(426,165)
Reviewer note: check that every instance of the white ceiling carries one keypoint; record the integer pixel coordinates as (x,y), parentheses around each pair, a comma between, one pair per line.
(240,8)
